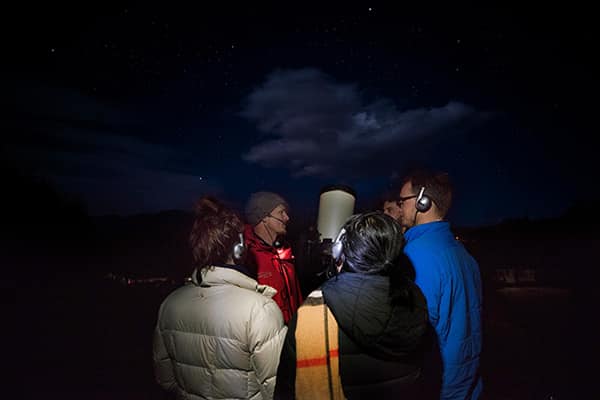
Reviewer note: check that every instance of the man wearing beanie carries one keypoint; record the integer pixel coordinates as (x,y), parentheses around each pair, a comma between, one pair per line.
(268,255)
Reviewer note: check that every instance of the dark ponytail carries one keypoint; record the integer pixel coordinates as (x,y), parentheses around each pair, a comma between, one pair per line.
(374,244)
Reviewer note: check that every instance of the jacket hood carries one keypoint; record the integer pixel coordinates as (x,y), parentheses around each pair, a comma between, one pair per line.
(362,308)
(219,275)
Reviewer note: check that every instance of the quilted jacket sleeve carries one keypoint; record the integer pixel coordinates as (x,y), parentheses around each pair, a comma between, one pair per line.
(163,369)
(266,336)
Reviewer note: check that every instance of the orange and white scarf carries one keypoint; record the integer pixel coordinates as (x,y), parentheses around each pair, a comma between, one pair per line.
(317,351)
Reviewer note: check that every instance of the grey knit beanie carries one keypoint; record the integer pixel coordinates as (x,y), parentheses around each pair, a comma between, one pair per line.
(261,204)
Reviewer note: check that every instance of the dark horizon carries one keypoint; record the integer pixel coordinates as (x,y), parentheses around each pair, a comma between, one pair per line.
(27,189)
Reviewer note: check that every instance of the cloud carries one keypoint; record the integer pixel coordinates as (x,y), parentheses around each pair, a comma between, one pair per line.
(130,188)
(68,132)
(118,174)
(86,148)
(316,126)
(50,103)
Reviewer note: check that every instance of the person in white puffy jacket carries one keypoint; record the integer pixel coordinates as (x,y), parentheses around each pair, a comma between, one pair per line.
(220,335)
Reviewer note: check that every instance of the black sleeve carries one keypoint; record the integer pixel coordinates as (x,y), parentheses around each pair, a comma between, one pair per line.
(285,386)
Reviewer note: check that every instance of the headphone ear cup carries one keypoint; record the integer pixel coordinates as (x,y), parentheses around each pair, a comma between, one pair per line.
(337,258)
(336,251)
(337,246)
(423,202)
(239,250)
(337,255)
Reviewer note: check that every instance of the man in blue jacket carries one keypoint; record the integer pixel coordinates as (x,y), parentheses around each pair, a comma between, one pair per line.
(449,278)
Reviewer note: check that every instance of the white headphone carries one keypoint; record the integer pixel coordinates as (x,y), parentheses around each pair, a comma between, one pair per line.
(336,247)
(239,249)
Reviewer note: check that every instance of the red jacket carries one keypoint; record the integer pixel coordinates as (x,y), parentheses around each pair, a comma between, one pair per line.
(274,267)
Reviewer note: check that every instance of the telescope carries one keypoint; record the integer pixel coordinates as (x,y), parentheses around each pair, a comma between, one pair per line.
(336,205)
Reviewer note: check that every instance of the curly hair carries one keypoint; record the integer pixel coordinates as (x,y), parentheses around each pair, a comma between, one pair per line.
(215,231)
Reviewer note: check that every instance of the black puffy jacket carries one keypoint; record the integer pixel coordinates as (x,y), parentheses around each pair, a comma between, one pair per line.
(381,347)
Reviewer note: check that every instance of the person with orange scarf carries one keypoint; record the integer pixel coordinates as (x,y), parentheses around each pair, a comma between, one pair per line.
(363,334)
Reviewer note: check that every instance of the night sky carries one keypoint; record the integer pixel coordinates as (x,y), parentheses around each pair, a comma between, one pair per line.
(138,108)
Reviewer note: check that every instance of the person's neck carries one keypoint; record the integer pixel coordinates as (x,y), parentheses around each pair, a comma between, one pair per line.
(425,219)
(263,234)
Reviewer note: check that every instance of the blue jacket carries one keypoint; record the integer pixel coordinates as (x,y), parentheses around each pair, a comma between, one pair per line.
(449,278)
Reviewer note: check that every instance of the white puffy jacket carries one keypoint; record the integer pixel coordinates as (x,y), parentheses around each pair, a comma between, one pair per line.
(219,338)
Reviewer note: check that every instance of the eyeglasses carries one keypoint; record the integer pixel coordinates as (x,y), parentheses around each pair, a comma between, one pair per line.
(401,200)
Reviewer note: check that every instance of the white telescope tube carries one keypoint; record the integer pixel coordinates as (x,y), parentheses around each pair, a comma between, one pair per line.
(336,205)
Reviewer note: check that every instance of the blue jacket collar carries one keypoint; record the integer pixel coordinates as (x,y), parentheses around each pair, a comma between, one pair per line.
(417,231)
